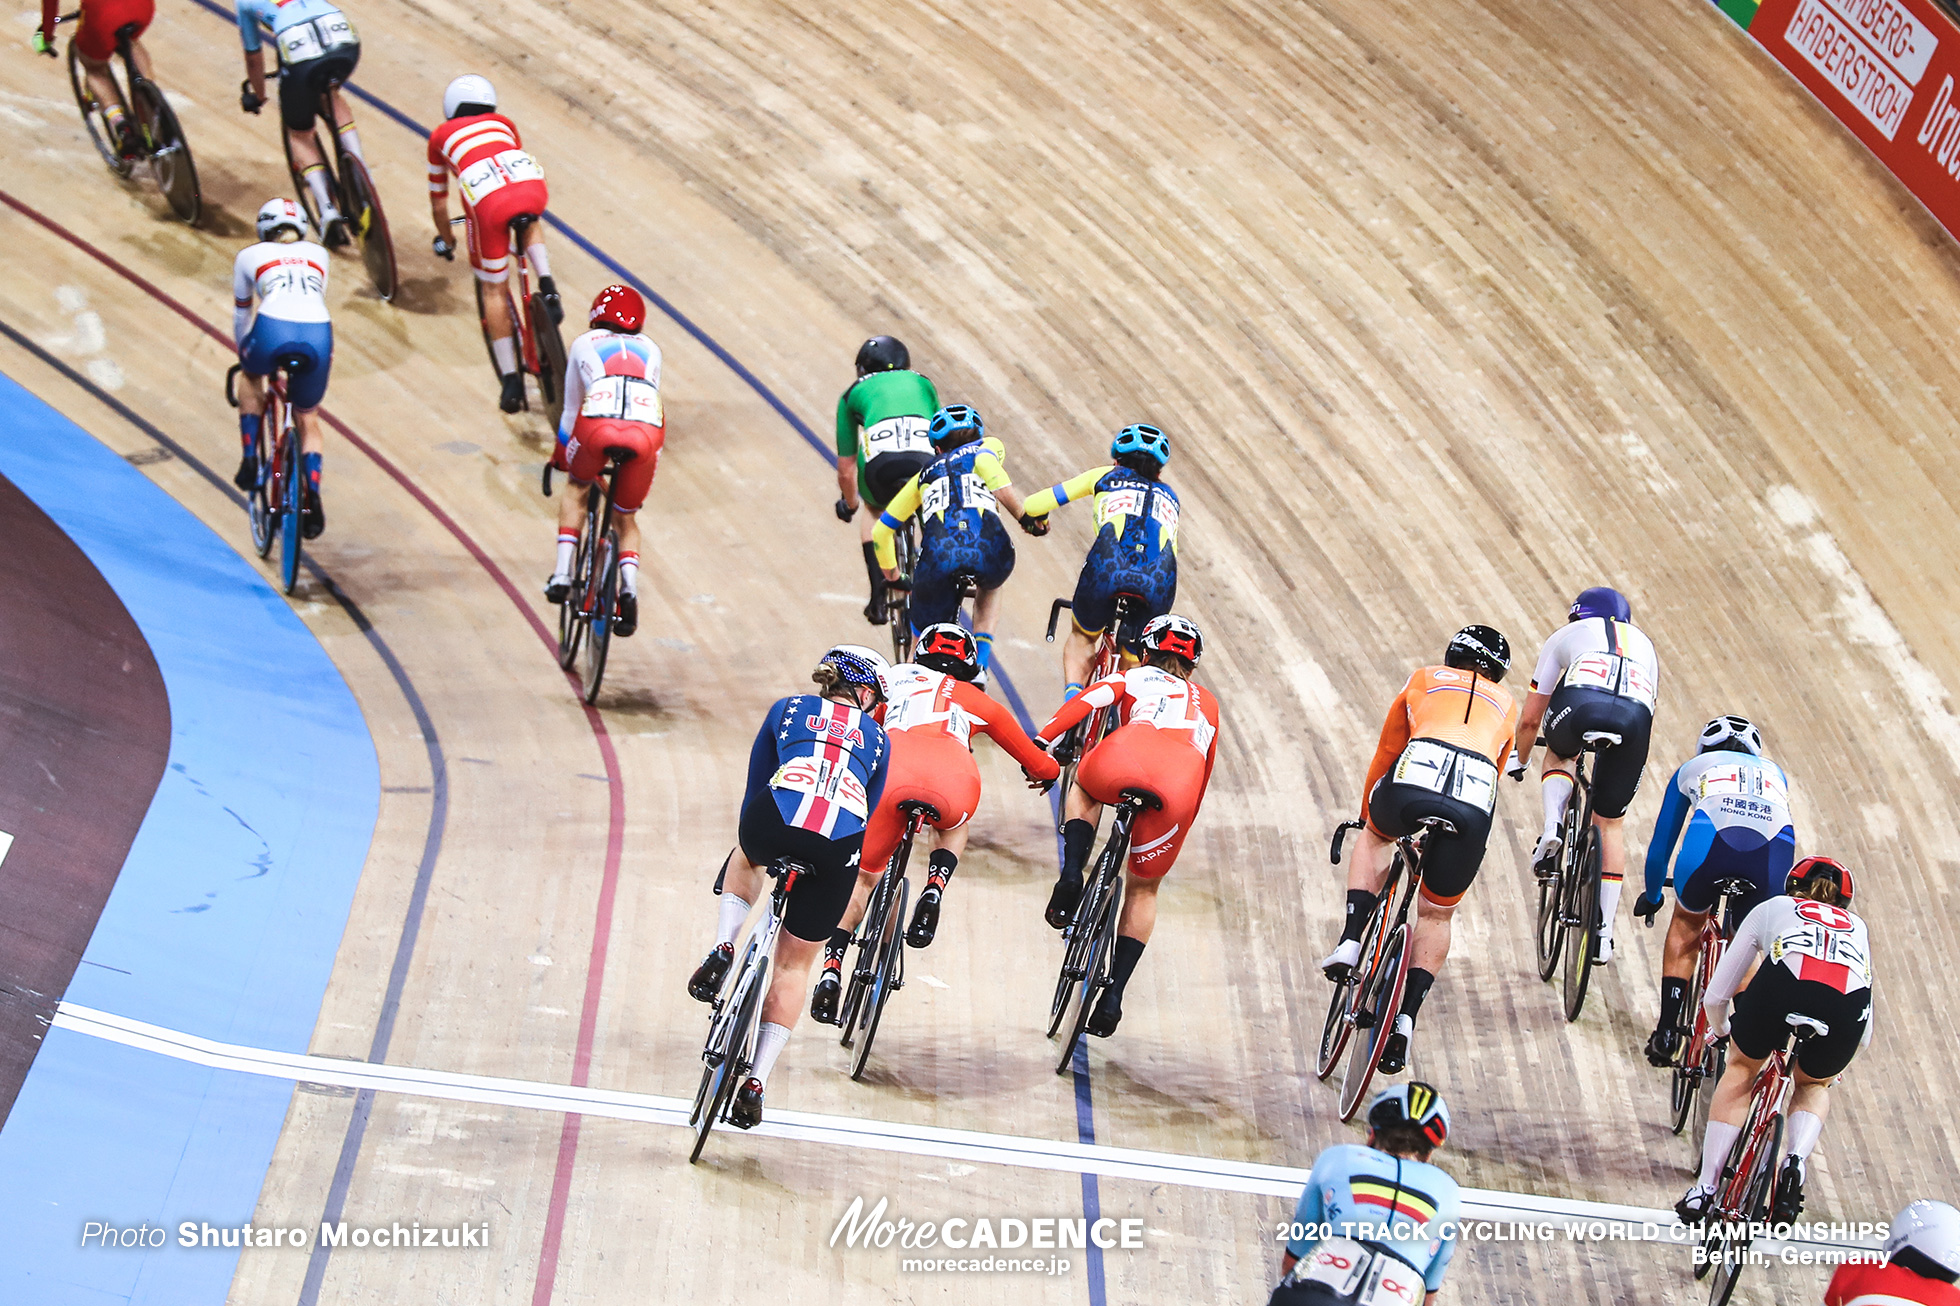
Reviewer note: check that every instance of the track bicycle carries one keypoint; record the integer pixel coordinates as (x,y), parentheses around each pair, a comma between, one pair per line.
(1702,1059)
(898,593)
(273,503)
(1370,996)
(1090,939)
(152,132)
(540,346)
(1744,1192)
(590,608)
(729,1054)
(353,191)
(880,969)
(1568,898)
(1107,660)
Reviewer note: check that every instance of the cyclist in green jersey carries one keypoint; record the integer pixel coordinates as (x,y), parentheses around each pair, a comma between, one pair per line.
(881,444)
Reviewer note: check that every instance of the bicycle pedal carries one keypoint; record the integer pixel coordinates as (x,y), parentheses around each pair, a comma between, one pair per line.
(1364,1020)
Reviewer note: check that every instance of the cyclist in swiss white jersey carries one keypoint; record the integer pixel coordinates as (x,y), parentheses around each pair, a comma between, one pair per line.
(1816,963)
(287,276)
(1599,673)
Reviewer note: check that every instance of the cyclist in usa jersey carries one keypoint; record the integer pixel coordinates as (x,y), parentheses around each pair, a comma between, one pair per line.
(287,277)
(1817,963)
(881,444)
(1388,1214)
(498,181)
(318,52)
(1166,744)
(612,405)
(816,773)
(1734,805)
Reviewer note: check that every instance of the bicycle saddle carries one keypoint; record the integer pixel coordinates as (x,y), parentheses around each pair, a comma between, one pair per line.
(1436,823)
(1598,739)
(1734,885)
(1143,798)
(1806,1026)
(789,866)
(128,31)
(927,810)
(523,220)
(619,453)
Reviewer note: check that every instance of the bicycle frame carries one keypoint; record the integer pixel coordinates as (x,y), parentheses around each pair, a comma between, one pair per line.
(585,617)
(1743,1193)
(735,1019)
(1702,1057)
(880,969)
(1090,937)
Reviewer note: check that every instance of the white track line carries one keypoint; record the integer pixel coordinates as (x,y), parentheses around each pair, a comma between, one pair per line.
(876,1135)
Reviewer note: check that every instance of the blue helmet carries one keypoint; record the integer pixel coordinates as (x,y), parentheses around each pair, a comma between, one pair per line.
(1145,440)
(956,424)
(1600,602)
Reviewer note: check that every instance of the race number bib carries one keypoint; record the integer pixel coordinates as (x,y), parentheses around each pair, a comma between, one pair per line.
(627,398)
(1746,790)
(936,496)
(291,276)
(1122,503)
(821,778)
(1826,935)
(1614,675)
(311,40)
(487,176)
(1352,1272)
(896,435)
(1430,765)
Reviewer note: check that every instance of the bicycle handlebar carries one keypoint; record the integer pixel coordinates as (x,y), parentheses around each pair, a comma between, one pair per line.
(1340,837)
(1055,615)
(231,380)
(546,484)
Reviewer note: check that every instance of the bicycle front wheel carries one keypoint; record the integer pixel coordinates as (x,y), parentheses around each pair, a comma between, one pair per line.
(1754,1209)
(1095,971)
(604,580)
(1582,924)
(293,478)
(885,981)
(551,359)
(370,226)
(1380,999)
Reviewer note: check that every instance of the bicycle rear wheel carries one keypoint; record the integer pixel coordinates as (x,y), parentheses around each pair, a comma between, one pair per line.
(293,477)
(1380,1000)
(93,117)
(261,501)
(1582,924)
(1095,970)
(886,980)
(363,207)
(551,359)
(1551,929)
(898,603)
(599,616)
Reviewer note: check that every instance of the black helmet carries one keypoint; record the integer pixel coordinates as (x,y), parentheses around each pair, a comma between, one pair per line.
(1480,648)
(882,354)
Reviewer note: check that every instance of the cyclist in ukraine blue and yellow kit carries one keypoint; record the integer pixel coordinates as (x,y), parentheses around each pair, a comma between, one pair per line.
(881,444)
(958,498)
(1136,543)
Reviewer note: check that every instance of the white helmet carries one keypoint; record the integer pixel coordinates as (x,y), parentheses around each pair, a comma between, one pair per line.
(1735,733)
(274,214)
(852,659)
(1931,1229)
(468,89)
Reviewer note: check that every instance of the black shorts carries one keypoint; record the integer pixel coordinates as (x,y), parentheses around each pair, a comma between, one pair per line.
(1307,1294)
(1759,1025)
(302,84)
(817,902)
(1452,861)
(885,475)
(1616,771)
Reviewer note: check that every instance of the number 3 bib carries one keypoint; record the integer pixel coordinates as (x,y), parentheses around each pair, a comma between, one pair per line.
(487,176)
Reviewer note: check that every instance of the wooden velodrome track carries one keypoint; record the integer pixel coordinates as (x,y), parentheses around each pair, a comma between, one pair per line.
(1449,308)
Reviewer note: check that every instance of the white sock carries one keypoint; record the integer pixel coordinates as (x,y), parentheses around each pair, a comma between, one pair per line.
(1557,792)
(1806,1127)
(769,1041)
(1715,1147)
(629,573)
(1609,904)
(733,912)
(539,260)
(350,140)
(316,181)
(567,554)
(504,350)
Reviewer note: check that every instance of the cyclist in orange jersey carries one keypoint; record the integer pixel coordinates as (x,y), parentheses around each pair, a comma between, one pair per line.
(1447,733)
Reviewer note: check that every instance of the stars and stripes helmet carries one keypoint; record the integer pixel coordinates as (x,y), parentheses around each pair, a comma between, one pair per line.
(1732,732)
(1173,634)
(858,665)
(1414,1103)
(950,649)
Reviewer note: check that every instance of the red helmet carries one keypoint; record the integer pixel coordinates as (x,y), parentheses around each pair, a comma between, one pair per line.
(619,307)
(1827,867)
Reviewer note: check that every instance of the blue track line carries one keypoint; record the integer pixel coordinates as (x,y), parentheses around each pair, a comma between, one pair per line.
(1085,1122)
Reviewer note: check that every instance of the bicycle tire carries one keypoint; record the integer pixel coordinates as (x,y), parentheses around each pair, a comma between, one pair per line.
(1697,1045)
(370,223)
(1095,977)
(898,602)
(1384,1000)
(870,939)
(888,979)
(550,350)
(1347,991)
(571,613)
(260,513)
(1076,955)
(1582,925)
(483,321)
(1551,929)
(599,618)
(732,1067)
(1755,1208)
(94,119)
(289,512)
(170,159)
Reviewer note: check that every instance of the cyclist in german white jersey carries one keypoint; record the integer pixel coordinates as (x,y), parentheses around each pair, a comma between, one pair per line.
(318,52)
(287,276)
(1730,807)
(1599,673)
(1816,962)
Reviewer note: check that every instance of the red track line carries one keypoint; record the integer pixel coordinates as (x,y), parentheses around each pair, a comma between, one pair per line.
(615,786)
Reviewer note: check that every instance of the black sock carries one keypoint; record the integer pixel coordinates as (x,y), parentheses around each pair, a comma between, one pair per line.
(1077,839)
(871,567)
(547,285)
(1360,906)
(1673,993)
(943,863)
(1129,952)
(1417,990)
(840,943)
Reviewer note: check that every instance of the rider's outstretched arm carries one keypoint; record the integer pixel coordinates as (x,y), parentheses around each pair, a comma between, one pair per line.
(1043,502)
(1104,693)
(902,506)
(999,725)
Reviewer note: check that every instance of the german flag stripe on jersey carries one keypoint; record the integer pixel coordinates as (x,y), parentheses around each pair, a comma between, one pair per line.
(1401,1203)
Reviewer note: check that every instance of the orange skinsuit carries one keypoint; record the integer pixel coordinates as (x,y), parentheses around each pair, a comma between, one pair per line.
(1165,746)
(1440,703)
(930,719)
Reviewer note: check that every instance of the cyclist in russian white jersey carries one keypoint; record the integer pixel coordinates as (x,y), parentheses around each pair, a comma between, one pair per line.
(1599,673)
(1388,1212)
(1817,962)
(1734,804)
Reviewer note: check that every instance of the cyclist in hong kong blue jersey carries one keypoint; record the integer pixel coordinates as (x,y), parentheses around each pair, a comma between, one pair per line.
(816,772)
(1376,1225)
(318,51)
